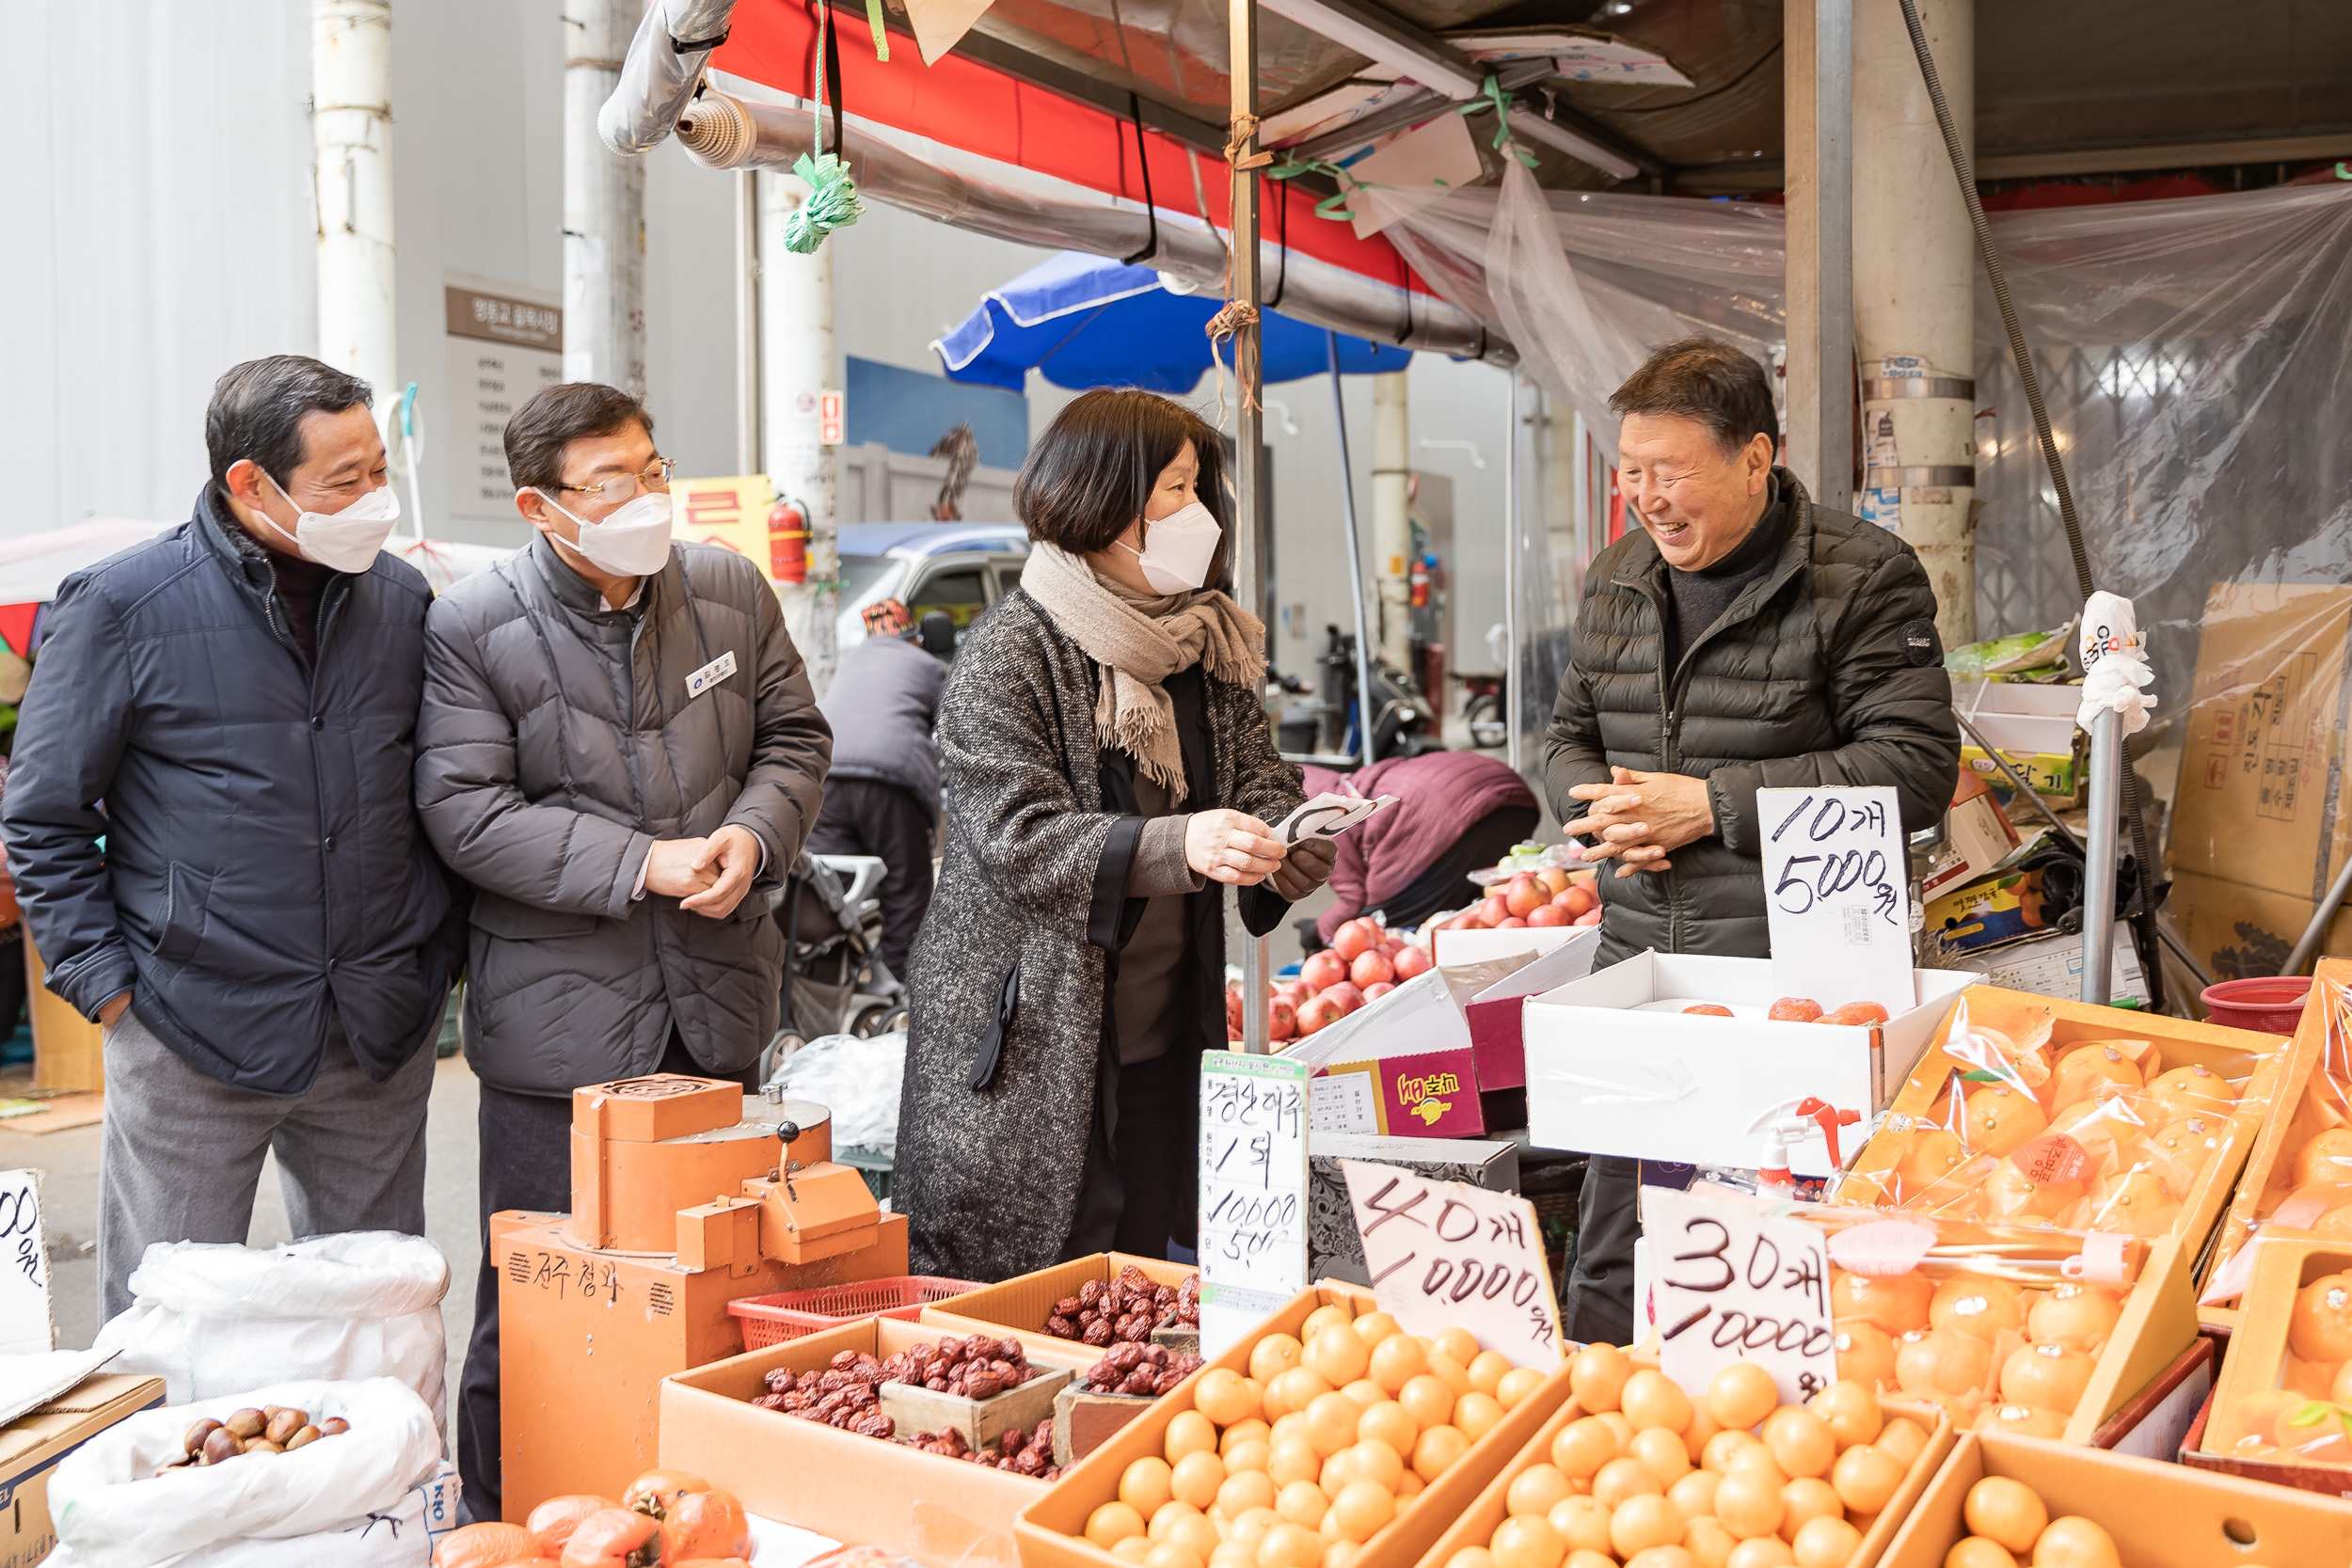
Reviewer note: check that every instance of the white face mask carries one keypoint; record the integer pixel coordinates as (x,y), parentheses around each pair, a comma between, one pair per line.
(633,542)
(1178,549)
(345,541)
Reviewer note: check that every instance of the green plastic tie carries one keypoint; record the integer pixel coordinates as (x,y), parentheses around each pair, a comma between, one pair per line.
(881,38)
(1491,96)
(832,202)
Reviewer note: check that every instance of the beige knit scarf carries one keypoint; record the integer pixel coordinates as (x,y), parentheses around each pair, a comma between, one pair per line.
(1140,640)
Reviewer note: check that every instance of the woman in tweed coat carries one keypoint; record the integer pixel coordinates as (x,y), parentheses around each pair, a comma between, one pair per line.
(1106,764)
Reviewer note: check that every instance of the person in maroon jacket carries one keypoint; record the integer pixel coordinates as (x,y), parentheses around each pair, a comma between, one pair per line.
(1454,811)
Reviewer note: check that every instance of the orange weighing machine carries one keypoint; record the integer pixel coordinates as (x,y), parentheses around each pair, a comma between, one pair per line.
(687,1194)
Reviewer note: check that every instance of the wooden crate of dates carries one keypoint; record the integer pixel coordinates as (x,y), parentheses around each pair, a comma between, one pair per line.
(1109,1298)
(1113,1393)
(978,1388)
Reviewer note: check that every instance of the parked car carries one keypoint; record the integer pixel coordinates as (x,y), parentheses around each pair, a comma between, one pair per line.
(960,568)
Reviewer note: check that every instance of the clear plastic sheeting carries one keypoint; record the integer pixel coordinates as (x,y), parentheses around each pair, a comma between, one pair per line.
(2193,358)
(1585,284)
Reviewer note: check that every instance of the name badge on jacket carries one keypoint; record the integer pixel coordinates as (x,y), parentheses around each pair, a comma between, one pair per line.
(710,674)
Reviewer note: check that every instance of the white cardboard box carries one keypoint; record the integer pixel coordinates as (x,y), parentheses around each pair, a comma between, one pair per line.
(1615,1067)
(1481,942)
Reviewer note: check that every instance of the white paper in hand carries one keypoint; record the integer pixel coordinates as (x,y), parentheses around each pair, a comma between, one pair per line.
(1836,877)
(1328,816)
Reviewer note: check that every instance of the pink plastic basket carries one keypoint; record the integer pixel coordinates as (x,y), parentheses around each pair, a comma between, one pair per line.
(793,1314)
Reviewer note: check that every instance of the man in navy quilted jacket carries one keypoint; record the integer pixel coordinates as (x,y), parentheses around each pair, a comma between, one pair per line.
(210,817)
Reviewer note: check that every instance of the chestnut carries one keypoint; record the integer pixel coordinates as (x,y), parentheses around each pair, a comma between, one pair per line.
(263,1445)
(284,1425)
(311,1434)
(247,1423)
(220,1446)
(333,1426)
(193,1444)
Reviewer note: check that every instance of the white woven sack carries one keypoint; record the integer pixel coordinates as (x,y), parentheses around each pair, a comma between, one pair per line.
(115,1511)
(209,1317)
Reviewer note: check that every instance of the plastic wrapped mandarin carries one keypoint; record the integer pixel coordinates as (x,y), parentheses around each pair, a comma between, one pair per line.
(2049,1374)
(2134,1202)
(2188,1090)
(2325,1159)
(1981,1308)
(2080,1316)
(2320,1326)
(2023,1421)
(1929,1156)
(1942,1362)
(2189,1145)
(1866,1353)
(2091,1070)
(1895,1304)
(2016,1198)
(2001,1119)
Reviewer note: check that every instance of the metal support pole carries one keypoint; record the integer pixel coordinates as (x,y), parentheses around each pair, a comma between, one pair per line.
(351,125)
(1355,561)
(1248,558)
(2107,799)
(1511,567)
(1819,73)
(746,321)
(604,207)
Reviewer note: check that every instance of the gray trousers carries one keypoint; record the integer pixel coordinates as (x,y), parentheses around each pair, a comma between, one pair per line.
(180,1158)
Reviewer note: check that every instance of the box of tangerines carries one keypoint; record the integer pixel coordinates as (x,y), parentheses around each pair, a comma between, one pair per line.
(1636,1469)
(1328,1438)
(2299,1179)
(2038,1111)
(2281,1410)
(2002,1500)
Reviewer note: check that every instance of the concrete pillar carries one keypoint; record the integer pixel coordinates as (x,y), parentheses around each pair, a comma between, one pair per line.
(1819,79)
(351,126)
(797,368)
(604,207)
(1391,516)
(1914,297)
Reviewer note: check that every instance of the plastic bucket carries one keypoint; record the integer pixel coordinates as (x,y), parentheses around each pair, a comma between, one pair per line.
(2272,1005)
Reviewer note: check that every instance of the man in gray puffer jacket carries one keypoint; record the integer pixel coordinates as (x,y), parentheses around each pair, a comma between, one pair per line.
(619,749)
(1743,639)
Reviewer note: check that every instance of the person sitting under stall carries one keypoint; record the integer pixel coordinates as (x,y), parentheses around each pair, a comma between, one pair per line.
(1455,813)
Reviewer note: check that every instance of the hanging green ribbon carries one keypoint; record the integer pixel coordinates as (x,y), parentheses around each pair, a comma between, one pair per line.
(881,38)
(1491,96)
(1333,206)
(832,202)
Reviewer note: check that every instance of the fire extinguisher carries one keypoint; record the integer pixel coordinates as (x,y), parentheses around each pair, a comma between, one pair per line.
(1420,581)
(788,542)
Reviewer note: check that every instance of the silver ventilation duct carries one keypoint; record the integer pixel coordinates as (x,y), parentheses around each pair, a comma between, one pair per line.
(665,65)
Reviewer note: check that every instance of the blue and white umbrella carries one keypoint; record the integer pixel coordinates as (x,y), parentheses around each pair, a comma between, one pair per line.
(1087,321)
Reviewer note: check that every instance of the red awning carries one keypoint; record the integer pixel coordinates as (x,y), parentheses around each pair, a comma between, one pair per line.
(980,110)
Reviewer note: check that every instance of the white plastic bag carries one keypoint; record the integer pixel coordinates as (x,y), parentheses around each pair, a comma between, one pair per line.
(116,1512)
(857,1081)
(401,1536)
(209,1317)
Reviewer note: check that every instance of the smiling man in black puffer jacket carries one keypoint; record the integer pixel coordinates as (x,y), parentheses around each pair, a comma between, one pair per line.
(1743,640)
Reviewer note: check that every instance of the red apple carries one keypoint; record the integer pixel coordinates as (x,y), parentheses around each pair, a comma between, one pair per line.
(1347,994)
(1548,915)
(1411,962)
(1233,1008)
(1376,990)
(1513,924)
(1590,917)
(1320,1012)
(1372,969)
(1579,898)
(1392,947)
(1525,893)
(1281,1020)
(1355,937)
(1554,879)
(1322,970)
(1293,991)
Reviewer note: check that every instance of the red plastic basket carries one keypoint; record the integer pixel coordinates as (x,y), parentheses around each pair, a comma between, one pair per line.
(792,1314)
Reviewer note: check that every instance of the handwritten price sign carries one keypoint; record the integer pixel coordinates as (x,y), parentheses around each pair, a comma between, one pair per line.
(1837,879)
(25,1325)
(1737,1285)
(1445,1253)
(1253,1192)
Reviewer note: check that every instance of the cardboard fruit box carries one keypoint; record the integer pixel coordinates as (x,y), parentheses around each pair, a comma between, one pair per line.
(1615,1067)
(2258,1060)
(2161,1515)
(1022,1303)
(1478,1522)
(2261,1377)
(1052,1529)
(31,1446)
(2309,1104)
(942,1511)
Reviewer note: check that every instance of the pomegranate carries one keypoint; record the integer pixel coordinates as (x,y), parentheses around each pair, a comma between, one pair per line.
(1322,970)
(1347,994)
(1318,1013)
(1412,961)
(1372,969)
(1795,1009)
(1524,894)
(1355,937)
(1548,915)
(1377,989)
